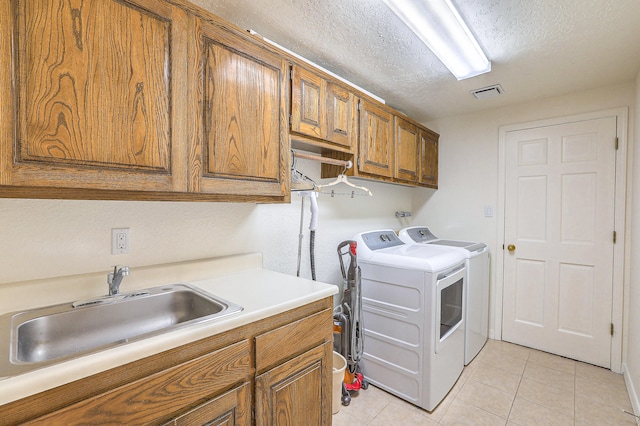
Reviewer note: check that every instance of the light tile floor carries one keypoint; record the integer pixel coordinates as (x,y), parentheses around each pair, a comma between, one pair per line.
(507,384)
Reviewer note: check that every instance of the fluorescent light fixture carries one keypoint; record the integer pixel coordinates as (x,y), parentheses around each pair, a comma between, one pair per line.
(439,25)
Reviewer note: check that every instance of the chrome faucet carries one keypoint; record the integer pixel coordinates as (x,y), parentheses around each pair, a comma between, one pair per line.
(115,278)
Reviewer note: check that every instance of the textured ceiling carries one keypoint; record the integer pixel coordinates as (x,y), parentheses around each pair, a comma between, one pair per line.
(538,48)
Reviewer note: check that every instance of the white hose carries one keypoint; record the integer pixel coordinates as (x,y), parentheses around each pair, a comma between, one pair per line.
(300,236)
(313,225)
(313,196)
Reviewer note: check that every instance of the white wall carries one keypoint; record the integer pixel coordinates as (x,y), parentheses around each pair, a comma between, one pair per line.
(468,172)
(44,238)
(632,342)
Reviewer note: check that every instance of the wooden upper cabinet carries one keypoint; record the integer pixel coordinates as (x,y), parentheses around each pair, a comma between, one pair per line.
(308,103)
(375,150)
(341,116)
(407,151)
(322,109)
(429,158)
(97,94)
(239,141)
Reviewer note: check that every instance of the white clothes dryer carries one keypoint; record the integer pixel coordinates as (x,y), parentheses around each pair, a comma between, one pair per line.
(413,315)
(476,288)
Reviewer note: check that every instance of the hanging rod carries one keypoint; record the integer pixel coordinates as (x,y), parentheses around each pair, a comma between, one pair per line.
(346,164)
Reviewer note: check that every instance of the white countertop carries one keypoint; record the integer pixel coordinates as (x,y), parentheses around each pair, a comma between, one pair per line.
(238,279)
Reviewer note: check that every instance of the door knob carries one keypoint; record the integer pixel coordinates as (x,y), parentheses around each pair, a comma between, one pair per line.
(511,248)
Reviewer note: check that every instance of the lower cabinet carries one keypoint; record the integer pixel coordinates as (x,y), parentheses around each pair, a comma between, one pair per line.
(153,398)
(292,393)
(276,371)
(293,385)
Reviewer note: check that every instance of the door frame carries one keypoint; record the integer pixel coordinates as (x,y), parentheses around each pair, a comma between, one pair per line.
(619,265)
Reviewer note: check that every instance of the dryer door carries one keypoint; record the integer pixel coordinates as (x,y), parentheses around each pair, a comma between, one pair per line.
(449,306)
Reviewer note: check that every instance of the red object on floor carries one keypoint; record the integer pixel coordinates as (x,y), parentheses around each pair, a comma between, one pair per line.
(356,385)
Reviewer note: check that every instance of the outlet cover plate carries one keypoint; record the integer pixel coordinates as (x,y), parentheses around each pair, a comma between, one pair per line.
(120,240)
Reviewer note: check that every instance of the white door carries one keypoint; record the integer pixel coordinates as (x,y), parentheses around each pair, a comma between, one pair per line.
(559,223)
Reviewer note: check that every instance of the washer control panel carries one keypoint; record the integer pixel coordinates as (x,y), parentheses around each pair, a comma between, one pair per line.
(421,235)
(381,239)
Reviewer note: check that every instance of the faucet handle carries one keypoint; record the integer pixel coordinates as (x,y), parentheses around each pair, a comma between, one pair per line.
(122,272)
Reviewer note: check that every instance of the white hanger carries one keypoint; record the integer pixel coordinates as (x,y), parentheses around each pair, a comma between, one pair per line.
(342,178)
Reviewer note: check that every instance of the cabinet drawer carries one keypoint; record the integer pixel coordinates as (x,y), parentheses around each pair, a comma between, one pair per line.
(230,408)
(159,396)
(292,339)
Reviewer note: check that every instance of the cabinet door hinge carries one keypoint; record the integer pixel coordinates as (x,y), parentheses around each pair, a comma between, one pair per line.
(615,237)
(612,329)
(616,143)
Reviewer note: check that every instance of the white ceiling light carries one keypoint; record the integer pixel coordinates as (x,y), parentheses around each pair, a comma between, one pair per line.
(439,25)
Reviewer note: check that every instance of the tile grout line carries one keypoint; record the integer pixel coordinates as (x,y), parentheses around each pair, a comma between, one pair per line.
(518,387)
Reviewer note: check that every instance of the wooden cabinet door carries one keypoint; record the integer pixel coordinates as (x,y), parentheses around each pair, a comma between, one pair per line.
(375,154)
(429,158)
(297,392)
(341,115)
(230,409)
(239,141)
(97,96)
(407,150)
(322,109)
(308,103)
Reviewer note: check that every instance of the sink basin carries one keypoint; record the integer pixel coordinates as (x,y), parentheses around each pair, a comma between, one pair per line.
(34,338)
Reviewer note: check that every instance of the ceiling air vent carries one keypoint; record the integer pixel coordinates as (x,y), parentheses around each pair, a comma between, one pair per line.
(488,92)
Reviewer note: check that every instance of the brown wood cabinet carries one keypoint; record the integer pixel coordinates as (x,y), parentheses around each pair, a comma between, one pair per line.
(322,109)
(239,142)
(407,151)
(284,360)
(290,392)
(138,99)
(429,158)
(308,99)
(231,408)
(97,95)
(391,148)
(161,100)
(375,148)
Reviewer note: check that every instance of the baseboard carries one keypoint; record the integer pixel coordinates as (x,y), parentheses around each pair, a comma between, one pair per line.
(631,390)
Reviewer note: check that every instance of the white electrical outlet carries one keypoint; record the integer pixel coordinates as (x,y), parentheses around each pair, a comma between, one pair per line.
(120,240)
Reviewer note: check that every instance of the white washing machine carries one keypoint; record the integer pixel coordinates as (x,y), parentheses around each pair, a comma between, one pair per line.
(477,284)
(413,315)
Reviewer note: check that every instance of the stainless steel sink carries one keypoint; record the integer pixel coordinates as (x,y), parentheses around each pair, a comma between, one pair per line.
(35,338)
